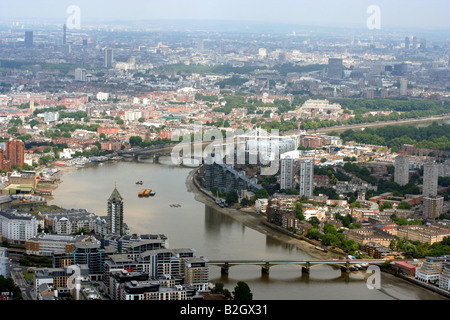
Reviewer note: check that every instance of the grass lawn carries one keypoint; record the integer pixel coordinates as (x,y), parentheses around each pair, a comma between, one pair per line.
(28,275)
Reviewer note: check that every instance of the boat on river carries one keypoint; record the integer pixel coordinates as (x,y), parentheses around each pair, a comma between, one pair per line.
(145,192)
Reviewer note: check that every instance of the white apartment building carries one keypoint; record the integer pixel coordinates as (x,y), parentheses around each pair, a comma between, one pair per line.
(102,96)
(132,115)
(80,74)
(313,108)
(17,227)
(432,268)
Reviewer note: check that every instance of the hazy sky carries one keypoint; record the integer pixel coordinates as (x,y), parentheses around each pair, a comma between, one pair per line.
(338,13)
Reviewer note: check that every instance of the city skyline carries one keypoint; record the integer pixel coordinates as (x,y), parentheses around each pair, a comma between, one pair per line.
(323,13)
(289,134)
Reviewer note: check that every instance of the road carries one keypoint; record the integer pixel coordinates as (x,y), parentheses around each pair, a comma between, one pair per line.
(19,280)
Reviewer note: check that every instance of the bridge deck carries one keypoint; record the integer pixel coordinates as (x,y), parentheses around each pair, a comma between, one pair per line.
(310,262)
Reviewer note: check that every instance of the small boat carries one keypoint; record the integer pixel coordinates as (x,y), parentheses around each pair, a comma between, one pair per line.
(139,182)
(321,249)
(144,192)
(152,193)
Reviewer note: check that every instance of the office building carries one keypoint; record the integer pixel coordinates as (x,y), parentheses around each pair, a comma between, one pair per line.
(400,69)
(401,173)
(109,58)
(115,213)
(306,178)
(287,173)
(28,39)
(335,68)
(430,179)
(407,44)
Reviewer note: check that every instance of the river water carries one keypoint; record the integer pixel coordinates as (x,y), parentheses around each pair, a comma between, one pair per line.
(215,235)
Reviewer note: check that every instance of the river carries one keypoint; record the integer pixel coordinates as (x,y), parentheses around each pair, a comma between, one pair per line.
(217,236)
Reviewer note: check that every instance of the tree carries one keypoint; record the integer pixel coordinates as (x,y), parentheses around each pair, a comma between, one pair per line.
(33,122)
(350,246)
(226,293)
(314,221)
(314,234)
(261,194)
(330,239)
(299,212)
(386,205)
(242,292)
(135,140)
(329,228)
(404,205)
(232,197)
(218,288)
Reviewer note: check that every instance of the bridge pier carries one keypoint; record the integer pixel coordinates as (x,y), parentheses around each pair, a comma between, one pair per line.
(224,269)
(266,268)
(307,268)
(346,269)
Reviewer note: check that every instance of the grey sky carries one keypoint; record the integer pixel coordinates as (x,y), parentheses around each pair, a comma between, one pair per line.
(337,13)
